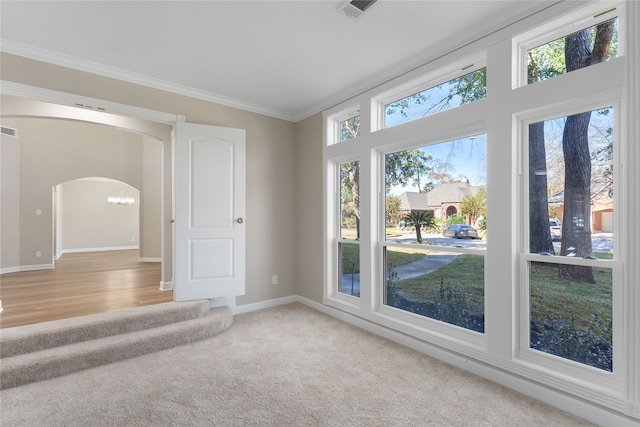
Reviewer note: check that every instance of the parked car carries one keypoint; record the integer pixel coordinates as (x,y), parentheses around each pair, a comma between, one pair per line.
(556,229)
(461,231)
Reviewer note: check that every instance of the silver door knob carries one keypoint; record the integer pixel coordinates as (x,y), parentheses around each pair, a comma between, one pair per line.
(240,220)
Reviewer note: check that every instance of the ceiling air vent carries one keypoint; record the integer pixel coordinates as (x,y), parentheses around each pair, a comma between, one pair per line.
(8,131)
(353,9)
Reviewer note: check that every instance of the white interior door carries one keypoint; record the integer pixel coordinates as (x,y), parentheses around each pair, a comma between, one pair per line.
(209,212)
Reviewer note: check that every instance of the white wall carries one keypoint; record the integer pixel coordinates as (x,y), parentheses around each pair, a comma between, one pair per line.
(89,223)
(10,201)
(51,152)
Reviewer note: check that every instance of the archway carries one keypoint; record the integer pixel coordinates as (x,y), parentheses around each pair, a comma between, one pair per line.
(157,131)
(95,214)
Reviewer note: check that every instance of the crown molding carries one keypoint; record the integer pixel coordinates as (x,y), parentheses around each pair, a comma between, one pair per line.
(43,55)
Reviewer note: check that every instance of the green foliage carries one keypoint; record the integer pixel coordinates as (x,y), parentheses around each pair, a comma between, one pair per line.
(423,219)
(572,340)
(470,87)
(394,258)
(349,195)
(553,298)
(465,271)
(350,128)
(461,90)
(350,257)
(393,299)
(452,304)
(475,205)
(572,319)
(418,220)
(548,60)
(452,294)
(454,219)
(405,167)
(398,257)
(391,210)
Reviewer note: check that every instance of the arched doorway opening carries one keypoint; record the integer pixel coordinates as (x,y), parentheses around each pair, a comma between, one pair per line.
(95,214)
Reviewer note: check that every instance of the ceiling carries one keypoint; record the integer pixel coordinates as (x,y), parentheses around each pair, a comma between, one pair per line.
(286,59)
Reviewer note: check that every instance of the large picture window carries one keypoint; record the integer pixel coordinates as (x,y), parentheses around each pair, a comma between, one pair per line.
(435,222)
(571,211)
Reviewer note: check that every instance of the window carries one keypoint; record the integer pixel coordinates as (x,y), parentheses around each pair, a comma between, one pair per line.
(571,187)
(349,128)
(348,246)
(550,59)
(425,271)
(453,93)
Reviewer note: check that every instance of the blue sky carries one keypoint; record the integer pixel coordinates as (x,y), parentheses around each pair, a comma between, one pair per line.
(466,157)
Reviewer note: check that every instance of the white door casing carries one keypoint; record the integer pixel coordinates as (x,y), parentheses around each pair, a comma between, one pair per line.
(209,212)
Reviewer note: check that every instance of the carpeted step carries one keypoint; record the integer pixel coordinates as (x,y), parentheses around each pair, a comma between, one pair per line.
(41,336)
(61,360)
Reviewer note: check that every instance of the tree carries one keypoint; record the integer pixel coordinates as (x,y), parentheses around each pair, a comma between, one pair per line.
(475,205)
(419,219)
(406,167)
(576,228)
(439,173)
(539,232)
(544,62)
(392,208)
(350,186)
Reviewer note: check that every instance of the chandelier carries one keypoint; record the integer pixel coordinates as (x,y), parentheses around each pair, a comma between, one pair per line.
(120,200)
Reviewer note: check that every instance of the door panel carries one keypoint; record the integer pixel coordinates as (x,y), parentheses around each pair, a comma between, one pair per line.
(209,212)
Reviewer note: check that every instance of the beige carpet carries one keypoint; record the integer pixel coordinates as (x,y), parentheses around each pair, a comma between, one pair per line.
(286,366)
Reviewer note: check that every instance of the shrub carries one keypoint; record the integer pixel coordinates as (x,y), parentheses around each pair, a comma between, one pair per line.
(571,341)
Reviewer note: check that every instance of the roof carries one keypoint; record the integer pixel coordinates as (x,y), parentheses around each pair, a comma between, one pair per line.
(412,201)
(599,185)
(451,192)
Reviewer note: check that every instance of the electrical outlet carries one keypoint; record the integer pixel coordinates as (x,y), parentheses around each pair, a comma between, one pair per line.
(38,254)
(274,279)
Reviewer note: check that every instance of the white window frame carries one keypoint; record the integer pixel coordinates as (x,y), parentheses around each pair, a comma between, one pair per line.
(563,367)
(565,25)
(460,68)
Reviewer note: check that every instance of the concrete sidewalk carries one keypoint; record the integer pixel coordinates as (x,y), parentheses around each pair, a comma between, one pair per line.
(350,283)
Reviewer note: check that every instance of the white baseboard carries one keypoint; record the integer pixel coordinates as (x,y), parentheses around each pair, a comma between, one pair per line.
(149,259)
(166,286)
(549,396)
(32,267)
(264,304)
(108,248)
(9,270)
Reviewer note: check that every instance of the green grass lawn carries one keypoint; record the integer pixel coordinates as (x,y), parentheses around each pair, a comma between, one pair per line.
(399,256)
(551,298)
(554,299)
(466,271)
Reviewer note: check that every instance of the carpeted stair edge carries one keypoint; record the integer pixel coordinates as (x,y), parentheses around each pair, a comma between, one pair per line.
(27,368)
(41,336)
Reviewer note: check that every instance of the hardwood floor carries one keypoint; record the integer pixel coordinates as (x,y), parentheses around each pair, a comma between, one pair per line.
(80,284)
